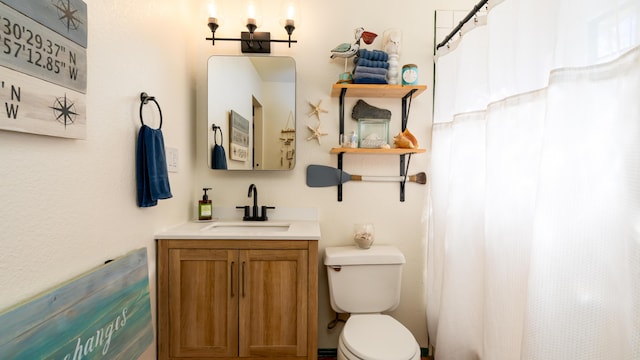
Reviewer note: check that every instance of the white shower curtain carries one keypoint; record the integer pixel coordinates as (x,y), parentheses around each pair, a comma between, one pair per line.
(534,244)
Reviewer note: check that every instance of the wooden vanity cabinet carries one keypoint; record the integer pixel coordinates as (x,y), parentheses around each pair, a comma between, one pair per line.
(237,299)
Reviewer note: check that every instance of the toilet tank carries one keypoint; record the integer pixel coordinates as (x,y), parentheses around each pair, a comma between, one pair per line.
(364,281)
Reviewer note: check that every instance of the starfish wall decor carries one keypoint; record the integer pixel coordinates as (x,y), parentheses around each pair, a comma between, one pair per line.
(315,131)
(317,109)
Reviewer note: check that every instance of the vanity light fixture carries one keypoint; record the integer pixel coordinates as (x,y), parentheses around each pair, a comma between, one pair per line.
(253,41)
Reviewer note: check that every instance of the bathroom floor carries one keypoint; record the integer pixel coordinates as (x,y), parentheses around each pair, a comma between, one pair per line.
(333,358)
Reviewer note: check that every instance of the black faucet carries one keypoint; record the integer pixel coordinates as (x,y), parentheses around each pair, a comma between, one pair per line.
(255,200)
(254,210)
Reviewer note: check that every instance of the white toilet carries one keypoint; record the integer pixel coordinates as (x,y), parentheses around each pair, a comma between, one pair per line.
(365,283)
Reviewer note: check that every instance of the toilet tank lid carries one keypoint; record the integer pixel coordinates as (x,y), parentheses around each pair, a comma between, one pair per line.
(351,255)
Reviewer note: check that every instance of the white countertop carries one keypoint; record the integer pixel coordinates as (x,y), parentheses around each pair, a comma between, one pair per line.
(299,224)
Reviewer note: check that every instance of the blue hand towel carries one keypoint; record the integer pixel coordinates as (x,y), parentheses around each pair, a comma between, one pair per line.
(218,157)
(370,70)
(376,55)
(152,179)
(369,79)
(371,63)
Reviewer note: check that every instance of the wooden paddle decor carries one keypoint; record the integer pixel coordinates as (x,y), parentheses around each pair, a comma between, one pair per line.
(323,176)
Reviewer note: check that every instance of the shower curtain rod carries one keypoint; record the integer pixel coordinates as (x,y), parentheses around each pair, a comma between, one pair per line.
(461,23)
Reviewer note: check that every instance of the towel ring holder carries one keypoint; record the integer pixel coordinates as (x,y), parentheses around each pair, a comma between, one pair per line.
(215,134)
(144,99)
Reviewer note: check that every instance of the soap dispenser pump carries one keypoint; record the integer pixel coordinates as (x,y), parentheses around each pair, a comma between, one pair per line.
(204,206)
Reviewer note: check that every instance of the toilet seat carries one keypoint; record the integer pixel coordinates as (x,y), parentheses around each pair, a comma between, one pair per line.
(378,337)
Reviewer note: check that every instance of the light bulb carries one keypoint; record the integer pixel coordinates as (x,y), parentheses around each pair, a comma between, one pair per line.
(216,11)
(290,19)
(213,15)
(290,15)
(253,16)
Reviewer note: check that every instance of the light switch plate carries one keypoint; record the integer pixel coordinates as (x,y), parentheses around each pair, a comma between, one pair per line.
(172,159)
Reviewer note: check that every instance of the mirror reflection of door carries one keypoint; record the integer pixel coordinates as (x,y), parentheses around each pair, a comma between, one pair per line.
(262,90)
(258,135)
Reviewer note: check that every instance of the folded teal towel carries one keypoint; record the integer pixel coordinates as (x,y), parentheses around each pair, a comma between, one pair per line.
(152,179)
(376,55)
(371,63)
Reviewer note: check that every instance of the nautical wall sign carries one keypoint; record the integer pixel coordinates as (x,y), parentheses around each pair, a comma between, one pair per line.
(43,67)
(70,19)
(35,50)
(239,137)
(104,314)
(39,107)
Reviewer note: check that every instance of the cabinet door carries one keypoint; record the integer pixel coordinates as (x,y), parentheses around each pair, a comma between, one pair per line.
(203,303)
(273,302)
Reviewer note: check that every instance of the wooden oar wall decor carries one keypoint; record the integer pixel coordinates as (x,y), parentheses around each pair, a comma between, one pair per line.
(324,176)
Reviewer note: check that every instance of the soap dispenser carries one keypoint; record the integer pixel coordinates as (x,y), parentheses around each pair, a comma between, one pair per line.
(354,140)
(204,206)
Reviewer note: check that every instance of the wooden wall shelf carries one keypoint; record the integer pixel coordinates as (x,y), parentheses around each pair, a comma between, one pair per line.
(395,151)
(376,91)
(405,93)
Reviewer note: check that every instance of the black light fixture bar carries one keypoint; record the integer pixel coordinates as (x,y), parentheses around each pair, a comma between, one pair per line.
(252,41)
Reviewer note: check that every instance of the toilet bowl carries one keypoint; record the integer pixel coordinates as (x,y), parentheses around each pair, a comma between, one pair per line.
(376,337)
(366,283)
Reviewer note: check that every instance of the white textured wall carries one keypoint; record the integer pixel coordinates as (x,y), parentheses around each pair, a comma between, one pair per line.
(68,205)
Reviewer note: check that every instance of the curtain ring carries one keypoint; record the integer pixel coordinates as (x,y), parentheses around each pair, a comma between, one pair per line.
(144,99)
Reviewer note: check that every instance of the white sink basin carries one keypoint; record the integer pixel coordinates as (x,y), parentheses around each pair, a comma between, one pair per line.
(244,227)
(228,226)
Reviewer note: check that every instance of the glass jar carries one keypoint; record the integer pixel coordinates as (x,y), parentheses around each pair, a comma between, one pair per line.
(363,235)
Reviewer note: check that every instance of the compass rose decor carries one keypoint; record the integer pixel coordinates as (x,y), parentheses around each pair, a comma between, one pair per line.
(64,111)
(67,15)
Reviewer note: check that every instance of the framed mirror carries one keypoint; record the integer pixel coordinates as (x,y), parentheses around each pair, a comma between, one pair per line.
(251,112)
